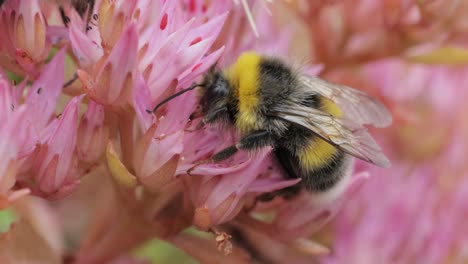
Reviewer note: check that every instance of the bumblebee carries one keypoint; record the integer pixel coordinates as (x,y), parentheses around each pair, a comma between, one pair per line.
(315,127)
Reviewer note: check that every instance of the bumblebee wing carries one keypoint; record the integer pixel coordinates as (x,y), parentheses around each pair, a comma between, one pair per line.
(348,136)
(355,105)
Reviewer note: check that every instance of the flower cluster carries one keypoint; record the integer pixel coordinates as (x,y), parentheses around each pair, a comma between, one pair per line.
(413,55)
(76,121)
(93,175)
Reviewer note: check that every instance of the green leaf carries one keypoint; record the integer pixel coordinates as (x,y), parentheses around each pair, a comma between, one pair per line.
(7,217)
(13,77)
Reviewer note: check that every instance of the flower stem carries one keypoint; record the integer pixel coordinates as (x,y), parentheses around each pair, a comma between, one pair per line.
(126,138)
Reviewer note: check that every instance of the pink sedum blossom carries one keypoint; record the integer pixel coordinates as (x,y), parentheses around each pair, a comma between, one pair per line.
(12,138)
(43,95)
(111,80)
(78,129)
(24,43)
(417,221)
(54,158)
(92,134)
(411,214)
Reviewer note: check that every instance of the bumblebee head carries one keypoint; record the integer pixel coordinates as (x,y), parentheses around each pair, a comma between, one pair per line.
(214,92)
(215,97)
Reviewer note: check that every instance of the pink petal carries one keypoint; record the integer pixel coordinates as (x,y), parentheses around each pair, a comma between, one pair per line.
(206,30)
(88,50)
(122,59)
(93,134)
(177,114)
(43,95)
(269,185)
(186,78)
(161,60)
(57,161)
(160,151)
(306,214)
(142,102)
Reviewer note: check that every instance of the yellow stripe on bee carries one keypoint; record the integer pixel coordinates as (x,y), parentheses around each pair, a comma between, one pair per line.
(317,154)
(330,107)
(244,76)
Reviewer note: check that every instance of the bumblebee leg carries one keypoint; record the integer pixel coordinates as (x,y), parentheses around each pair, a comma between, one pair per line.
(253,141)
(220,156)
(224,154)
(199,126)
(215,114)
(256,140)
(287,193)
(190,128)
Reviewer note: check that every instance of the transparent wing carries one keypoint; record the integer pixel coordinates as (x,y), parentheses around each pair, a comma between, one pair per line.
(355,105)
(348,136)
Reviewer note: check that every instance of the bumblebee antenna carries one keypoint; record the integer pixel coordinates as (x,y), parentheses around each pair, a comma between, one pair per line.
(193,86)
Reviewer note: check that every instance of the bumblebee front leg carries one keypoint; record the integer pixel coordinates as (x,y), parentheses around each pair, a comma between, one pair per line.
(256,140)
(224,154)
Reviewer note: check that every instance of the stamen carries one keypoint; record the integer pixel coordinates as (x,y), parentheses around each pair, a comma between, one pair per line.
(248,13)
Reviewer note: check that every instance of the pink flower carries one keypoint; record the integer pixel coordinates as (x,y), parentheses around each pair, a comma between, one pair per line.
(158,151)
(348,32)
(23,44)
(220,192)
(93,134)
(12,137)
(86,45)
(271,38)
(47,155)
(178,56)
(54,168)
(110,81)
(407,224)
(41,102)
(411,213)
(309,213)
(148,173)
(43,95)
(112,18)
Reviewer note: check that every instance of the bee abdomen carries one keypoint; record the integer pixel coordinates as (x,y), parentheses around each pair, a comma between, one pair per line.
(320,165)
(325,177)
